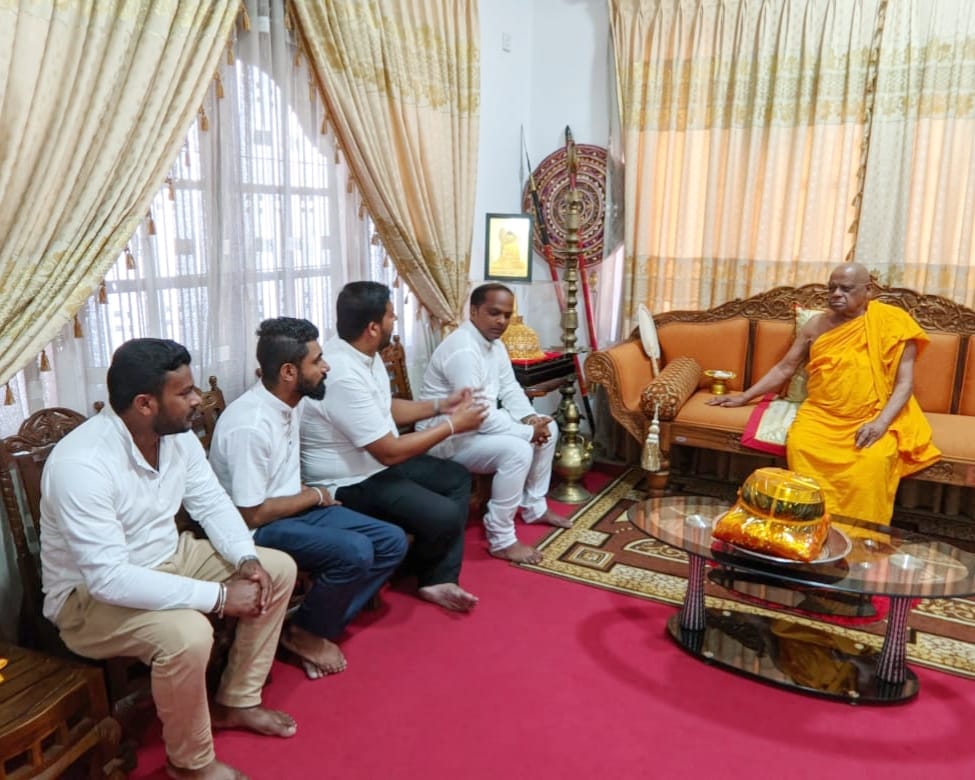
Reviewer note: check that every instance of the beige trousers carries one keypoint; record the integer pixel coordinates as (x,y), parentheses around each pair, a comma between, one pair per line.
(176,644)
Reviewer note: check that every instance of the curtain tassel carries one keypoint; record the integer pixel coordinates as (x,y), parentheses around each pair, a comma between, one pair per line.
(204,122)
(362,211)
(78,333)
(150,223)
(129,259)
(219,88)
(102,293)
(170,188)
(324,124)
(230,53)
(376,241)
(8,396)
(396,283)
(650,457)
(245,18)
(45,363)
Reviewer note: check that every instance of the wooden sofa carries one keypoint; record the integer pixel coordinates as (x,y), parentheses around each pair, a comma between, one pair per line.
(748,336)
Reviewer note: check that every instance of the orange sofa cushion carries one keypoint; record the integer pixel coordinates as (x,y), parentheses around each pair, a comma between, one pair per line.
(967,404)
(934,372)
(720,345)
(772,341)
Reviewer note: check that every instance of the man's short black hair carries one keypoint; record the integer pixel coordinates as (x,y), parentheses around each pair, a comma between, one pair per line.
(480,294)
(282,340)
(358,305)
(140,366)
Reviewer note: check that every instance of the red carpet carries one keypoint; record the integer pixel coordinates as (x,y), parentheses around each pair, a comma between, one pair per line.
(553,679)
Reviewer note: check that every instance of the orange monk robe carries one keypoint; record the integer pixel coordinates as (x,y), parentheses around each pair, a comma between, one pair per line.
(852,369)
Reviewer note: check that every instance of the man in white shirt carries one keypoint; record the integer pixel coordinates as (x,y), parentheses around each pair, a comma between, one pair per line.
(350,444)
(120,581)
(254,453)
(513,443)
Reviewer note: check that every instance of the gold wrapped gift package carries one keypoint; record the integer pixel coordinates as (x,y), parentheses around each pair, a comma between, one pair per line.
(778,512)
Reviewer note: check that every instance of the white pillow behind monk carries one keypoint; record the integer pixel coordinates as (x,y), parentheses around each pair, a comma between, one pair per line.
(796,391)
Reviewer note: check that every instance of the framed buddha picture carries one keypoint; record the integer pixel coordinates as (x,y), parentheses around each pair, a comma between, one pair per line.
(507,248)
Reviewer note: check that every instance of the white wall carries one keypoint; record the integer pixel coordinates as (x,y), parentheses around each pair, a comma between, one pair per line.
(555,74)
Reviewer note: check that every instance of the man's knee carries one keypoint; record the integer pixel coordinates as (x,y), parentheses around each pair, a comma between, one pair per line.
(187,635)
(279,565)
(354,561)
(517,456)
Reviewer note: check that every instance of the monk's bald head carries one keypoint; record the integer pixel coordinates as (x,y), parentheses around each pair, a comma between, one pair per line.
(848,290)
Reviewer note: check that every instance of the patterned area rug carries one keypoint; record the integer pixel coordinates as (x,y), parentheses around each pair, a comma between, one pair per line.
(604,550)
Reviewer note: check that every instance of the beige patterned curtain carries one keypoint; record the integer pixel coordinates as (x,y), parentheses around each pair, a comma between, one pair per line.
(95,99)
(401,81)
(918,217)
(742,123)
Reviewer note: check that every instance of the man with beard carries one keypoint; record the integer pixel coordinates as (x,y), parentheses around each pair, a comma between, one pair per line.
(350,444)
(120,581)
(255,456)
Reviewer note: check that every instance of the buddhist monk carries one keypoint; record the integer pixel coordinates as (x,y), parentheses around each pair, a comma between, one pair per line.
(860,428)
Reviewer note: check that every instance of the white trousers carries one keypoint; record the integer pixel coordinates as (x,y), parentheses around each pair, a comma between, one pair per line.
(522,472)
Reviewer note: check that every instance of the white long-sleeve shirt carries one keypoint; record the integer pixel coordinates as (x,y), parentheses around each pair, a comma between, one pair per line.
(107,518)
(466,359)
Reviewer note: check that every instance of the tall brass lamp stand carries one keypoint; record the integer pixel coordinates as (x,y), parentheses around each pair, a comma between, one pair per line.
(573,455)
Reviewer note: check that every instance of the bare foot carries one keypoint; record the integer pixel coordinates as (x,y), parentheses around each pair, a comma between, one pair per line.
(318,655)
(215,770)
(260,720)
(519,553)
(550,518)
(450,596)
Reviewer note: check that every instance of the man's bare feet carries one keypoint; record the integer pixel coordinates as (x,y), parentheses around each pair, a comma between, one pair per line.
(260,720)
(450,596)
(550,518)
(215,770)
(319,657)
(519,553)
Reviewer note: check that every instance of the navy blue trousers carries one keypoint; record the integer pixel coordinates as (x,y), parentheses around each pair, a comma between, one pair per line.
(349,555)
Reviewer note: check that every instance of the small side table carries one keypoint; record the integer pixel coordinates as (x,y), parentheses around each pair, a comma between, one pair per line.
(541,377)
(53,713)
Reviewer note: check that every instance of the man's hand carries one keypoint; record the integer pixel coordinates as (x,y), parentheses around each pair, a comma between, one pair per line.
(253,571)
(321,495)
(243,598)
(455,400)
(469,416)
(727,400)
(868,433)
(540,424)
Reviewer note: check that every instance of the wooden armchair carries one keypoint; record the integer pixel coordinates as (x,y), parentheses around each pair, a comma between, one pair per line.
(22,459)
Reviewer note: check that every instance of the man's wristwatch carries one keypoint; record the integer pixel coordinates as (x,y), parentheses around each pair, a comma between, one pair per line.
(245,559)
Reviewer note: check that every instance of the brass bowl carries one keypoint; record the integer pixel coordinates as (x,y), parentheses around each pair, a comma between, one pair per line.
(719,378)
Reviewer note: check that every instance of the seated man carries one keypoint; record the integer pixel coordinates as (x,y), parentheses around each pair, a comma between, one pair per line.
(120,581)
(513,443)
(255,456)
(860,429)
(350,444)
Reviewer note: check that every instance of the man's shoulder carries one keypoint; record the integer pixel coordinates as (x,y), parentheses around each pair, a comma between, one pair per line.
(96,439)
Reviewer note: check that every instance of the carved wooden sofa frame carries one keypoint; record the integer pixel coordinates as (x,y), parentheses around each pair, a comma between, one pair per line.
(944,383)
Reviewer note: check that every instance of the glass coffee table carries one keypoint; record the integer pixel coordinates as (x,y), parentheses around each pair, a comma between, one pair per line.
(862,560)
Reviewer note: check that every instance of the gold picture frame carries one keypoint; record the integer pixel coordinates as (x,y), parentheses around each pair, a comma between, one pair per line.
(508,248)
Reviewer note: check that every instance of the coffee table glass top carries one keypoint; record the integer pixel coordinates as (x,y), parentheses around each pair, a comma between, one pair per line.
(881,560)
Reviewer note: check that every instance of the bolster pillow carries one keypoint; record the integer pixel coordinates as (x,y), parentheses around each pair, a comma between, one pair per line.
(668,391)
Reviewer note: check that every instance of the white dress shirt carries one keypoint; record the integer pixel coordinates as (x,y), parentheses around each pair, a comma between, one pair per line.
(357,410)
(254,451)
(107,518)
(466,359)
